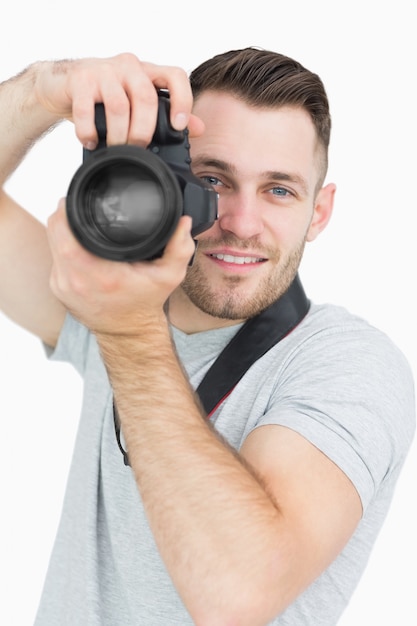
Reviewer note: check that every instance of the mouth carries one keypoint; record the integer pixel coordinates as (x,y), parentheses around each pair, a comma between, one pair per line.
(237,260)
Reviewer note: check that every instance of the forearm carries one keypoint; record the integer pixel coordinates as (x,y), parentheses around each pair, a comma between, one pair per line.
(214,524)
(23,119)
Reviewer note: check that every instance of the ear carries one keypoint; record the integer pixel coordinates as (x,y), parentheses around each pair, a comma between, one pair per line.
(323,209)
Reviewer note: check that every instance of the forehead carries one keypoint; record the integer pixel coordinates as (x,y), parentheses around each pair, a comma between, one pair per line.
(256,138)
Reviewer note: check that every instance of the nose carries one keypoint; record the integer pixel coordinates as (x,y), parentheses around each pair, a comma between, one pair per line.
(240,214)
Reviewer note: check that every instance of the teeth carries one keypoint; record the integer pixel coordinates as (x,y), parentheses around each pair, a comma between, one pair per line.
(240,260)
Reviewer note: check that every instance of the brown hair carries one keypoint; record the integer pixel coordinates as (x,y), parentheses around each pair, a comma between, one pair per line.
(267,79)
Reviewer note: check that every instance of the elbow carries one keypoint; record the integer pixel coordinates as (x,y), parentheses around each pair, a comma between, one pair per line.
(244,607)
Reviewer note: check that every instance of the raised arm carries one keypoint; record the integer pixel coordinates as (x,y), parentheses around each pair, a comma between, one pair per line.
(30,105)
(25,260)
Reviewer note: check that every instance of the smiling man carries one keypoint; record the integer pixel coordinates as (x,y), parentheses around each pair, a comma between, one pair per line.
(271,204)
(263,507)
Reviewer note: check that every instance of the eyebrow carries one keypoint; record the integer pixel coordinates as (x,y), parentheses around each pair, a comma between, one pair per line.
(228,168)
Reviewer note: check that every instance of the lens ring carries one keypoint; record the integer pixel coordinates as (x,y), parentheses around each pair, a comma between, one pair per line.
(83,222)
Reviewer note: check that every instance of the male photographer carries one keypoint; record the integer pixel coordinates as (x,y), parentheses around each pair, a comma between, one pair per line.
(262,506)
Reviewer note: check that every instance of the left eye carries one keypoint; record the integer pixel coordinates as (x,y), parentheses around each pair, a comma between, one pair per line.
(211,180)
(280,191)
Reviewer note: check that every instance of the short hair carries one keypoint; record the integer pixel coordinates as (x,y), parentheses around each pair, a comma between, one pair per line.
(265,78)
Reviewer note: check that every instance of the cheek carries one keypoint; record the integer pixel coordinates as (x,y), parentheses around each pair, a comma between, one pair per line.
(288,228)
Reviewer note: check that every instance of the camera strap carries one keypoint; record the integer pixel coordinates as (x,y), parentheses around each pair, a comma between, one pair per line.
(252,341)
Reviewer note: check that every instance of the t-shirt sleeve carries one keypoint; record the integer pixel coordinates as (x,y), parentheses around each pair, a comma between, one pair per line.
(351,395)
(72,346)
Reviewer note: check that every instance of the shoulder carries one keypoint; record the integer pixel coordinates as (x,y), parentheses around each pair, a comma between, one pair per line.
(328,328)
(343,354)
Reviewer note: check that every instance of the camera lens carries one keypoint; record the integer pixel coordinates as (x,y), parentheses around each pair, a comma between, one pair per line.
(124,203)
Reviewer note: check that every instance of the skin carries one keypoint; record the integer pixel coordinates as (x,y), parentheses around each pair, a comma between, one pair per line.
(241,534)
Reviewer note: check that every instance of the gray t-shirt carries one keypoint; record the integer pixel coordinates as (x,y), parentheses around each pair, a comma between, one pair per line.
(335,379)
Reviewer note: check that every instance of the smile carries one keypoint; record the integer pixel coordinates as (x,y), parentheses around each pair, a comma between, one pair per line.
(239,260)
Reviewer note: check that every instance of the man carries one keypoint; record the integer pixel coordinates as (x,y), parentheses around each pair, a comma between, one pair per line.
(264,511)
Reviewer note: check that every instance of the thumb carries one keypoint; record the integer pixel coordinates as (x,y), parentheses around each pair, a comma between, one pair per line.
(181,247)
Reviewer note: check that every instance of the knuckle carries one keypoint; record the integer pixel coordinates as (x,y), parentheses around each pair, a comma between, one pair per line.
(178,73)
(127,58)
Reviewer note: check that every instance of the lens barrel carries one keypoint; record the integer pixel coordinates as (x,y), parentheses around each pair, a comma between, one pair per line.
(123,203)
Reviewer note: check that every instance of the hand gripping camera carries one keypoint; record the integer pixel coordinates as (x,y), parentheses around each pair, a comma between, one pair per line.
(124,202)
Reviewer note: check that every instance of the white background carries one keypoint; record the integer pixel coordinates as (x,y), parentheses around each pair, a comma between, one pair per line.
(365,51)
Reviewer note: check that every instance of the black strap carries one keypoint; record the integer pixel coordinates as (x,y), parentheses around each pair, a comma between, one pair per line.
(251,342)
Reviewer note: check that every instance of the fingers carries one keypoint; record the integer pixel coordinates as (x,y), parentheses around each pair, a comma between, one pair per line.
(63,245)
(108,296)
(56,230)
(179,249)
(170,268)
(176,81)
(127,88)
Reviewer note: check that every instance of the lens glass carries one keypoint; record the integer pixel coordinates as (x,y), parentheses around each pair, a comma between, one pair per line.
(125,203)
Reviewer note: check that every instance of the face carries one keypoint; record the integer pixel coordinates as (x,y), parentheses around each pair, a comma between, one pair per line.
(264,165)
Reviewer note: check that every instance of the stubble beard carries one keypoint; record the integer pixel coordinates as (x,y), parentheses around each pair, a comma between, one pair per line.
(228,300)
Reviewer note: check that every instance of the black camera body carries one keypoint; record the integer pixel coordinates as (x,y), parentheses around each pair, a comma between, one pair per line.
(124,202)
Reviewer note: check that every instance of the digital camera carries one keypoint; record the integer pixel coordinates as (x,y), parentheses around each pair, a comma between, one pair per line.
(124,202)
